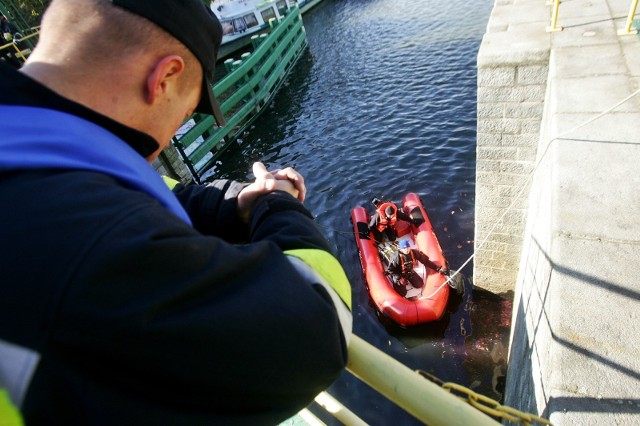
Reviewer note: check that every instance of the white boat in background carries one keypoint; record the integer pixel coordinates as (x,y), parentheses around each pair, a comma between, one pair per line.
(242,19)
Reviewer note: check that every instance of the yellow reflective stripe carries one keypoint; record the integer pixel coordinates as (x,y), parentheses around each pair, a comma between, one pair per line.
(329,268)
(171,183)
(9,414)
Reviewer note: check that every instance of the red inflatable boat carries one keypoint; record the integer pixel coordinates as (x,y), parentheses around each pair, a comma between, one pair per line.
(420,304)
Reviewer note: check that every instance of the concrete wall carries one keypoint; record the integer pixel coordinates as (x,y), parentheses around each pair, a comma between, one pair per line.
(531,330)
(512,80)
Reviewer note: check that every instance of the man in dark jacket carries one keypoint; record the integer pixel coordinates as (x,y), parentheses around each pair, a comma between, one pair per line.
(6,27)
(122,302)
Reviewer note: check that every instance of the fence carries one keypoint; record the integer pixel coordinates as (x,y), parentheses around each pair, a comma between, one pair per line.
(627,30)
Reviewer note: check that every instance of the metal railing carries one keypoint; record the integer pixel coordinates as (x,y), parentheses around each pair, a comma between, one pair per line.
(627,30)
(419,393)
(419,397)
(247,89)
(554,16)
(628,27)
(20,48)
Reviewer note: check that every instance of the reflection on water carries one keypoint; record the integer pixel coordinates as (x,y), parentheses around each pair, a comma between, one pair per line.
(384,103)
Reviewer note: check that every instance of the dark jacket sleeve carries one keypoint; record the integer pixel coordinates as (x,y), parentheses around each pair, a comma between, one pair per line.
(424,259)
(282,219)
(213,208)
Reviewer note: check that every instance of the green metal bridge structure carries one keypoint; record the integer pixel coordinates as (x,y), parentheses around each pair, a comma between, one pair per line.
(24,16)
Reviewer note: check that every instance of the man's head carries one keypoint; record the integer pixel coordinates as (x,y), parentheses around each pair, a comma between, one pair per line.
(193,25)
(146,64)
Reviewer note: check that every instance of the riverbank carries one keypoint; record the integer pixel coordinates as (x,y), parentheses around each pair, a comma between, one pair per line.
(557,160)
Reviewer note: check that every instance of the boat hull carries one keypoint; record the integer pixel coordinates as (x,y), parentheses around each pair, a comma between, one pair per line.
(421,305)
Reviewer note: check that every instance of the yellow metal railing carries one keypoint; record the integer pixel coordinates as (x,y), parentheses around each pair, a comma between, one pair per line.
(20,53)
(553,26)
(627,28)
(421,398)
(15,50)
(419,393)
(339,411)
(554,16)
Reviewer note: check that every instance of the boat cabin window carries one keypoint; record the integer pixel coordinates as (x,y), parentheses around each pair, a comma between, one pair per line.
(250,20)
(227,27)
(268,14)
(238,25)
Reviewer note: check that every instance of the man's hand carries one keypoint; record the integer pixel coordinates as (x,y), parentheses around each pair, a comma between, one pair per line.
(287,180)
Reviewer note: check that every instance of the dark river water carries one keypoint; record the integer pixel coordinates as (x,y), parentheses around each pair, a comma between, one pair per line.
(384,103)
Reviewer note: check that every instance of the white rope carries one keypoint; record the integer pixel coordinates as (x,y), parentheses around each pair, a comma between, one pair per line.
(591,120)
(437,290)
(424,279)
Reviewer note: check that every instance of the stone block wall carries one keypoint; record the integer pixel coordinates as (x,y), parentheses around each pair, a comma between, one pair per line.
(512,78)
(510,104)
(169,163)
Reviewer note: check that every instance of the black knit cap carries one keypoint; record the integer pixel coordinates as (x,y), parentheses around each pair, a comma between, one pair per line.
(195,26)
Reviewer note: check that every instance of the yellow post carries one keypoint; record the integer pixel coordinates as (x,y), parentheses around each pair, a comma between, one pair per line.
(19,53)
(632,11)
(554,18)
(424,400)
(339,411)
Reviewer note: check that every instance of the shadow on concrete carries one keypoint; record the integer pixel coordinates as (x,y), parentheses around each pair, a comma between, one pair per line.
(520,387)
(598,141)
(594,22)
(596,358)
(588,279)
(525,349)
(595,405)
(594,281)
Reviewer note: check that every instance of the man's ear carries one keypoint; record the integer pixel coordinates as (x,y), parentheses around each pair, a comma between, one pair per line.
(163,77)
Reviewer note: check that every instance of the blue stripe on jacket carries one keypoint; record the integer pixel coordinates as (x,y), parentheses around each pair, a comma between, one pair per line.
(38,138)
